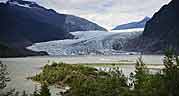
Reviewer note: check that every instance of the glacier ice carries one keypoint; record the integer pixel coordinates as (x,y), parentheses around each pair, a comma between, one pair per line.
(88,43)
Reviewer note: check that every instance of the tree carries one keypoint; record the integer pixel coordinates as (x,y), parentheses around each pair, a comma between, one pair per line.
(171,74)
(35,93)
(140,74)
(141,80)
(24,93)
(3,81)
(44,91)
(3,76)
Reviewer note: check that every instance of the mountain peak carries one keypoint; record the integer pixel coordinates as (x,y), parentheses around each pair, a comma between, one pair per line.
(146,19)
(133,25)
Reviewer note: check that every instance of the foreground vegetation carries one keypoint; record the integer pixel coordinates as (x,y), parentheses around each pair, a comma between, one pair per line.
(87,81)
(83,81)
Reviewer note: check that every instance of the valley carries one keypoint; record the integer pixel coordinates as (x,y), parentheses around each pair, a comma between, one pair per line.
(80,48)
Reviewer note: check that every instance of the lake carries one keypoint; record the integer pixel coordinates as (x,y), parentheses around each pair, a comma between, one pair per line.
(21,68)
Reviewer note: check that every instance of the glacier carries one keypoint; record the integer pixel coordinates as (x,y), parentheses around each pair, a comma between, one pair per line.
(89,43)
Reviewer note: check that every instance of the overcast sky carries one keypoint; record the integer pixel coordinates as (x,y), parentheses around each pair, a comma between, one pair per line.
(107,13)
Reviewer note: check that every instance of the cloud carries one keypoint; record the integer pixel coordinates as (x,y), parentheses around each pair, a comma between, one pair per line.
(108,13)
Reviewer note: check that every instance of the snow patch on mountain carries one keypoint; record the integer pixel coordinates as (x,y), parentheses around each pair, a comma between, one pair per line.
(24,3)
(88,42)
(18,4)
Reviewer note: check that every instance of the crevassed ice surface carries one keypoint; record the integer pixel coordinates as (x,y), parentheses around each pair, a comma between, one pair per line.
(88,42)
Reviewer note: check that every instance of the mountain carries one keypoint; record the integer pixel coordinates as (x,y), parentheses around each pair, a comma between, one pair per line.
(24,23)
(161,31)
(6,51)
(73,23)
(140,24)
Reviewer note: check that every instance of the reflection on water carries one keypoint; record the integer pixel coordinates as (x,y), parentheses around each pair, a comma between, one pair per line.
(21,68)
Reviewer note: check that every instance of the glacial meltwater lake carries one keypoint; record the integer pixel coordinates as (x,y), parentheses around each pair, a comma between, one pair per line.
(21,68)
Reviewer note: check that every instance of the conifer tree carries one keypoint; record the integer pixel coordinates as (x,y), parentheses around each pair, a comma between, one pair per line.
(3,76)
(44,91)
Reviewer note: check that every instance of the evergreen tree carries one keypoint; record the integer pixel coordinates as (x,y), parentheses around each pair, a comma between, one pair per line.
(3,76)
(171,74)
(141,80)
(24,93)
(44,91)
(140,74)
(35,93)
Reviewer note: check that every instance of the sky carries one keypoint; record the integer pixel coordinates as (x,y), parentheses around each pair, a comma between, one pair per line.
(107,13)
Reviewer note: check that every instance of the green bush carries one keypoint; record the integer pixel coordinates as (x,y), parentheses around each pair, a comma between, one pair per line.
(84,81)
